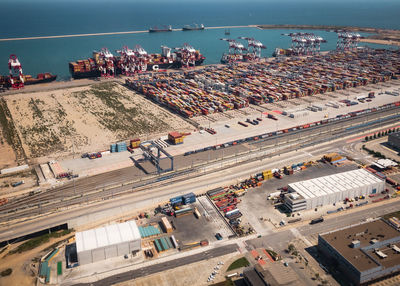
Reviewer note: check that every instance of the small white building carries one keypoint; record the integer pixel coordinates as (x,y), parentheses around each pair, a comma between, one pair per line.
(326,190)
(105,242)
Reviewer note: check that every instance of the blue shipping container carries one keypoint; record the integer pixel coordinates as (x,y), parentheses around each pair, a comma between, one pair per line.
(176,200)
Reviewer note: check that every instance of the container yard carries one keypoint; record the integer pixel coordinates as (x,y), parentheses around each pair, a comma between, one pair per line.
(222,88)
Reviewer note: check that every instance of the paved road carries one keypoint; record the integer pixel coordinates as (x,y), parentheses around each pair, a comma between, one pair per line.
(280,239)
(216,252)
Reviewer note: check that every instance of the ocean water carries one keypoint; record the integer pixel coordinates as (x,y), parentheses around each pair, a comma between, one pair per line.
(25,18)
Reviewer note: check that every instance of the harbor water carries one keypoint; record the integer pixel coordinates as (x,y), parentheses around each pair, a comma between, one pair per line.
(46,18)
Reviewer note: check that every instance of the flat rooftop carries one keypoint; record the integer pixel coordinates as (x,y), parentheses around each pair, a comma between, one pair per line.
(360,257)
(334,183)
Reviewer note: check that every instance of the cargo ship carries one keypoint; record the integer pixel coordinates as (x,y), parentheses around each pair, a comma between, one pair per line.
(102,64)
(16,79)
(40,78)
(136,60)
(193,27)
(239,53)
(160,29)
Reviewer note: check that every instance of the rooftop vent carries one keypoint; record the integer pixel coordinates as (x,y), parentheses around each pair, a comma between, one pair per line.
(373,241)
(355,244)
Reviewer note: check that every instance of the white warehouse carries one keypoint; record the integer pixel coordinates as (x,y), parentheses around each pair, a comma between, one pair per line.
(326,190)
(106,242)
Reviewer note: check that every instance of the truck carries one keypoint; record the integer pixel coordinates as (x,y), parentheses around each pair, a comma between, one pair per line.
(16,184)
(317,220)
(197,213)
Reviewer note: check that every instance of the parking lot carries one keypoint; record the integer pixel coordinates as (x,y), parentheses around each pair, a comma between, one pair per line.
(189,229)
(261,212)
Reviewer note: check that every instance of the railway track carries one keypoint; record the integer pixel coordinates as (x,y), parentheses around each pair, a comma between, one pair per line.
(53,200)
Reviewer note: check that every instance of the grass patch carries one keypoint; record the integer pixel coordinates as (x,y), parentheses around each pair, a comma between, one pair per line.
(241,262)
(6,272)
(9,132)
(37,241)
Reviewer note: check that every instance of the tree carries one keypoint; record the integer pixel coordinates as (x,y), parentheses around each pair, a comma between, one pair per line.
(291,248)
(366,138)
(374,135)
(390,131)
(370,137)
(386,132)
(317,276)
(379,134)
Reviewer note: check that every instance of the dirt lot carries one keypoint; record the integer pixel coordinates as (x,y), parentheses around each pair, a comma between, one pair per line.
(7,156)
(82,119)
(24,265)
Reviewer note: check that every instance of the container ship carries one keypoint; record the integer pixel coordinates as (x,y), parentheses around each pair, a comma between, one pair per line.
(136,60)
(160,29)
(239,53)
(193,27)
(16,79)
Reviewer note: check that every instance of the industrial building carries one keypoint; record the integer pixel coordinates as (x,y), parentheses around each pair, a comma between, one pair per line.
(394,140)
(364,252)
(105,242)
(326,190)
(271,274)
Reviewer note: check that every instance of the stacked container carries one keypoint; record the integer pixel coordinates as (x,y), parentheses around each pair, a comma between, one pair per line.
(121,147)
(189,198)
(113,148)
(134,143)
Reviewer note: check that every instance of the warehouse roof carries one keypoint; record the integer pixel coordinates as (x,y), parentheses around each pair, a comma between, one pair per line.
(108,235)
(375,238)
(334,183)
(385,163)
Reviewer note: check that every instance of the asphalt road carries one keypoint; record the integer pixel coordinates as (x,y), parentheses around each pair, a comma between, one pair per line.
(279,240)
(216,252)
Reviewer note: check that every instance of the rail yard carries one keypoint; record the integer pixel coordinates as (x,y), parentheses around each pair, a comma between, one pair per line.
(214,181)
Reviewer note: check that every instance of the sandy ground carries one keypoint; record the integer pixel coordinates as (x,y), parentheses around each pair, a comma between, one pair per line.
(7,155)
(381,42)
(24,268)
(86,119)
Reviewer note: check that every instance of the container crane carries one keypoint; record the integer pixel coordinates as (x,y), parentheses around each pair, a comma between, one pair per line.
(16,76)
(254,47)
(347,40)
(106,63)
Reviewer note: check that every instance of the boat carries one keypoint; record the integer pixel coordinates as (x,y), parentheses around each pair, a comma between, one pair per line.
(16,79)
(136,60)
(101,64)
(40,78)
(160,29)
(193,27)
